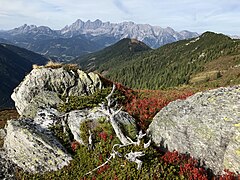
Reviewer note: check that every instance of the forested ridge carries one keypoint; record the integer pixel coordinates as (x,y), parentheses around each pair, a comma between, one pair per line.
(173,64)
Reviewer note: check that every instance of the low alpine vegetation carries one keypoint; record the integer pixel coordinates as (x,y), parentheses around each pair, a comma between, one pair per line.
(110,156)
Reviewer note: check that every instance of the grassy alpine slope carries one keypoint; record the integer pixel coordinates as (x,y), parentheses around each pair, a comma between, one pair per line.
(112,56)
(209,60)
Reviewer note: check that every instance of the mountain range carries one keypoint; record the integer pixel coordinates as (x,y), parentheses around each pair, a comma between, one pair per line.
(211,59)
(153,36)
(15,63)
(85,37)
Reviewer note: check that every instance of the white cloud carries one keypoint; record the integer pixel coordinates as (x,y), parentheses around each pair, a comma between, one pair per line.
(196,15)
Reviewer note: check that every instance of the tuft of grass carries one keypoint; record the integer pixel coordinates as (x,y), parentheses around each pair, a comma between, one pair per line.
(53,65)
(56,65)
(35,66)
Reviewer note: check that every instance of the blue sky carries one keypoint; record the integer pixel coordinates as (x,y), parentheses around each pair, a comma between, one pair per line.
(194,15)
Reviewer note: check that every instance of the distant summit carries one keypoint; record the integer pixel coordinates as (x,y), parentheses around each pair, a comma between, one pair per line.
(111,56)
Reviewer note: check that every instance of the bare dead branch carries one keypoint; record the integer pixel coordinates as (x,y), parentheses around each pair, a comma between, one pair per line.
(125,140)
(132,157)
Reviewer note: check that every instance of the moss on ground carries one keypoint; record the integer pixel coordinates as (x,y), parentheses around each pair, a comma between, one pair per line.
(81,102)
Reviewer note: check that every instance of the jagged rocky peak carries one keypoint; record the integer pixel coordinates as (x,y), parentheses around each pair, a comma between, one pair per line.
(33,29)
(23,29)
(122,30)
(44,85)
(206,125)
(93,25)
(101,32)
(78,24)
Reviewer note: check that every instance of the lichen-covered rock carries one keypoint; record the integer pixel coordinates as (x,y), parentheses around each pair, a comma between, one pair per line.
(76,118)
(49,117)
(33,148)
(39,101)
(206,125)
(8,169)
(42,87)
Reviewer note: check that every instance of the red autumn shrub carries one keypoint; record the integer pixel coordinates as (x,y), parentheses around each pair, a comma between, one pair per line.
(145,104)
(188,166)
(103,135)
(228,175)
(103,168)
(74,145)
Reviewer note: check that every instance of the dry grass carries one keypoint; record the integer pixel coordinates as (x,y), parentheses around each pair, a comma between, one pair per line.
(223,63)
(223,71)
(56,65)
(35,66)
(73,67)
(205,77)
(7,115)
(53,65)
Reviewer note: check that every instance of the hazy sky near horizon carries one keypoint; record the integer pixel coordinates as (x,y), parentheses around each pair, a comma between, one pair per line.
(194,15)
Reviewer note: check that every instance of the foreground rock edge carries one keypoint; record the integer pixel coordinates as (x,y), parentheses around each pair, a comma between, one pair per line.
(206,125)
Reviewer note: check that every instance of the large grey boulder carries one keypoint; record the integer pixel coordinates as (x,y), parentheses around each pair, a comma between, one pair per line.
(43,86)
(206,125)
(33,148)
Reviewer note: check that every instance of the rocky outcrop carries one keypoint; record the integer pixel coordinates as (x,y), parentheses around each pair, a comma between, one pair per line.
(206,125)
(31,145)
(94,117)
(43,86)
(33,148)
(47,118)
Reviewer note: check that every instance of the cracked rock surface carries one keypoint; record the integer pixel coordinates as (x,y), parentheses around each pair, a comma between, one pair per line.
(33,148)
(206,125)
